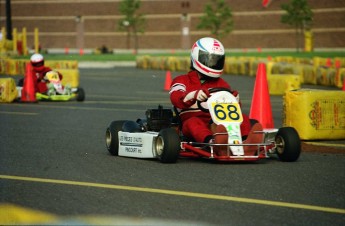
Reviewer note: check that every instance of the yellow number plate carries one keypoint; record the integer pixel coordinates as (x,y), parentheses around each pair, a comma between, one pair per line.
(227,112)
(53,77)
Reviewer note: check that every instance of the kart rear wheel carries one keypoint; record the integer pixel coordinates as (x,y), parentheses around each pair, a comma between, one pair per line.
(167,145)
(288,144)
(112,138)
(80,94)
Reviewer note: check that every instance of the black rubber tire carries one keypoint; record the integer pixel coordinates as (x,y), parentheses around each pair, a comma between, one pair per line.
(80,94)
(168,145)
(288,144)
(112,138)
(20,82)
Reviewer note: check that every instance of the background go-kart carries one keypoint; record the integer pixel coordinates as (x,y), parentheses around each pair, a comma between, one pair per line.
(53,159)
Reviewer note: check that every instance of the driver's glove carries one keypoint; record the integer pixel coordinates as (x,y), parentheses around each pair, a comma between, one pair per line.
(200,95)
(45,79)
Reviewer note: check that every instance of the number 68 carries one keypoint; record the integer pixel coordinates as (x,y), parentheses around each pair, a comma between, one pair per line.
(227,112)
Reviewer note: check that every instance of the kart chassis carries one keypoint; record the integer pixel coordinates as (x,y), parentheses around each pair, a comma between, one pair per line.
(144,139)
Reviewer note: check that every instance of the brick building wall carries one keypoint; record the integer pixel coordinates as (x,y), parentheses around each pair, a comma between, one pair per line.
(254,25)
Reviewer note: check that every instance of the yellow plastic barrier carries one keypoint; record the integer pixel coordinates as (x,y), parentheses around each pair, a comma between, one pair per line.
(326,76)
(171,63)
(245,65)
(278,84)
(253,66)
(61,64)
(339,62)
(286,59)
(184,63)
(17,67)
(309,74)
(226,69)
(271,68)
(143,61)
(340,78)
(2,66)
(70,76)
(318,61)
(231,66)
(309,70)
(8,90)
(21,66)
(304,61)
(162,63)
(315,114)
(11,67)
(242,69)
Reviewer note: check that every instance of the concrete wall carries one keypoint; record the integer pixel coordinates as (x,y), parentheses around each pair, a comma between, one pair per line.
(254,25)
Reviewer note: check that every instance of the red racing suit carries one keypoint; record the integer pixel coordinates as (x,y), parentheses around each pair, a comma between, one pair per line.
(196,123)
(41,83)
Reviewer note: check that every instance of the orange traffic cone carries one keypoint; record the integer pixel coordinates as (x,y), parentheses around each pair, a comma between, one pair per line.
(168,81)
(261,105)
(28,91)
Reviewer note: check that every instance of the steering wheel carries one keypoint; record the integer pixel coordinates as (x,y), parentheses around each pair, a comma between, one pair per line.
(212,90)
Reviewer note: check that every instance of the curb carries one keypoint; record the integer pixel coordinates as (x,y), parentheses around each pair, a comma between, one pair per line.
(323,147)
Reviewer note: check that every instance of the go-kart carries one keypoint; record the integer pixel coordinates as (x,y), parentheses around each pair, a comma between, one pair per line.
(58,92)
(159,135)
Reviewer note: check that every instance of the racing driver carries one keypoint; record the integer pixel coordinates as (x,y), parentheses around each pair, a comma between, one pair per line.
(40,70)
(207,63)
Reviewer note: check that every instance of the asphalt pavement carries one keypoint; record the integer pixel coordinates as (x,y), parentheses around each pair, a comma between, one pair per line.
(54,167)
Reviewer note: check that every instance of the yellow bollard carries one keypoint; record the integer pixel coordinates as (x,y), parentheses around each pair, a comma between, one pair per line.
(14,34)
(37,47)
(24,42)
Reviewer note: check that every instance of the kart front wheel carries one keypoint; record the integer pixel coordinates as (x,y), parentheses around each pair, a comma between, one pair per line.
(112,138)
(288,144)
(167,145)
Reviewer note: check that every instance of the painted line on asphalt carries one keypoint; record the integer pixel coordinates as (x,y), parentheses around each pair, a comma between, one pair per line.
(179,193)
(17,113)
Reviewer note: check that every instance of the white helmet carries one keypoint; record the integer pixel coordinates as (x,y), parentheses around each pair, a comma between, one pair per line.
(37,60)
(208,56)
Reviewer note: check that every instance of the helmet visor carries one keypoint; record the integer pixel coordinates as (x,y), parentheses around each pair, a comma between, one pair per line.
(37,64)
(214,61)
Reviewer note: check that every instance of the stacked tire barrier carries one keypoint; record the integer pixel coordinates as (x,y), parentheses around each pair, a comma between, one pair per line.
(317,70)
